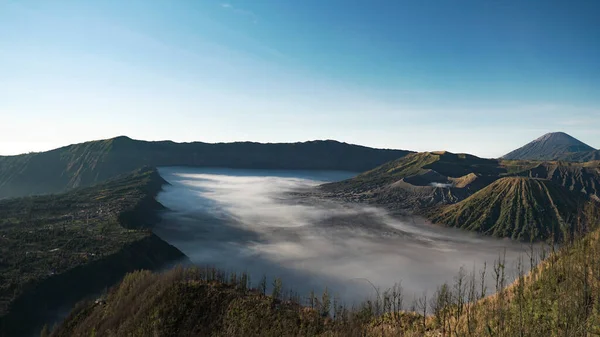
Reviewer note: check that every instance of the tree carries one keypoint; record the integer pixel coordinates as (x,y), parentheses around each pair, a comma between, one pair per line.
(325,303)
(440,305)
(262,285)
(277,286)
(45,331)
(422,305)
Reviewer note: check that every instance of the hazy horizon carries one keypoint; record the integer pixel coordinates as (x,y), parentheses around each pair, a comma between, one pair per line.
(300,141)
(481,78)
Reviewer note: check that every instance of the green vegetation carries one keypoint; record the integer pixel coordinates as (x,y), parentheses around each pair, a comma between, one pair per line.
(515,207)
(198,302)
(75,242)
(57,249)
(93,162)
(209,302)
(477,194)
(446,164)
(560,296)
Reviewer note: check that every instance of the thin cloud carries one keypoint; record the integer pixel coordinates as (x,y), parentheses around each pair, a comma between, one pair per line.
(240,11)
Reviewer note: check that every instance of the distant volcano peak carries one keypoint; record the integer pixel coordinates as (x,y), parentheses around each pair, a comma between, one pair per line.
(559,138)
(551,146)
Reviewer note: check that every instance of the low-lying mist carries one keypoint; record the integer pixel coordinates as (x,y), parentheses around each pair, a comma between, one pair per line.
(247,220)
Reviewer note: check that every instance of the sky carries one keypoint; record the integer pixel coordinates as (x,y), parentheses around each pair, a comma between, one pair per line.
(475,76)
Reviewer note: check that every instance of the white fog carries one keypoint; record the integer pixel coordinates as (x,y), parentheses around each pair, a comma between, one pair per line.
(249,220)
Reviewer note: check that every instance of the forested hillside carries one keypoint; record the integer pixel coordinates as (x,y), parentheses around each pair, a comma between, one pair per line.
(56,249)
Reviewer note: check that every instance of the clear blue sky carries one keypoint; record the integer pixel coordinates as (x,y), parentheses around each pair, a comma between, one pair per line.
(479,76)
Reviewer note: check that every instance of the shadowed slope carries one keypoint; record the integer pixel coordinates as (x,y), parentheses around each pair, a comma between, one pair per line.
(91,162)
(56,249)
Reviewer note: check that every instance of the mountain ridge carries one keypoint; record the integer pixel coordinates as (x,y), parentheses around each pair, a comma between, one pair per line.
(91,162)
(420,182)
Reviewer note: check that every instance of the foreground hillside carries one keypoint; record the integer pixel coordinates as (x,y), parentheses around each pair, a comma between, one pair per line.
(191,302)
(515,207)
(56,249)
(92,162)
(559,297)
(209,302)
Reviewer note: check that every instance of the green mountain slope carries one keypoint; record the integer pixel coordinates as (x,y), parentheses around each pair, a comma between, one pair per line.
(445,165)
(88,163)
(56,249)
(419,180)
(551,146)
(515,207)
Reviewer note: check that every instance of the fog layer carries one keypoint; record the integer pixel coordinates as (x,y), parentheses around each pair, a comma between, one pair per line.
(247,220)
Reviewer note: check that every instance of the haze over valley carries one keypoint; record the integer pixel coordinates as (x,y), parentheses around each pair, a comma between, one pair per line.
(299,168)
(249,220)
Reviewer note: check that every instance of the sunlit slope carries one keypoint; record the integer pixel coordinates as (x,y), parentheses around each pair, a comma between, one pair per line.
(192,302)
(445,165)
(516,207)
(420,180)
